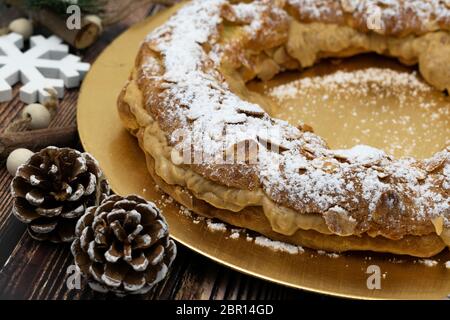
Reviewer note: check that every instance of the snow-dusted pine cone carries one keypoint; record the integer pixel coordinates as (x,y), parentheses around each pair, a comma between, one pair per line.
(123,246)
(53,189)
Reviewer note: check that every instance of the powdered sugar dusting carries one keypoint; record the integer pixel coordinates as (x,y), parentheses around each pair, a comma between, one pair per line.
(234,234)
(428,262)
(278,246)
(395,110)
(216,226)
(328,254)
(361,154)
(358,82)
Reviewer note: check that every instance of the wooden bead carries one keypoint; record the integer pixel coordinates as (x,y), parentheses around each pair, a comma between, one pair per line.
(95,20)
(39,114)
(22,26)
(17,158)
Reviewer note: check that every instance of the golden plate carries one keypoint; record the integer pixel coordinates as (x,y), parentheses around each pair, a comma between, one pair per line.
(124,164)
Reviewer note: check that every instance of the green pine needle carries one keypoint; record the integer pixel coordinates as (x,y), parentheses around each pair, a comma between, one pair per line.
(60,6)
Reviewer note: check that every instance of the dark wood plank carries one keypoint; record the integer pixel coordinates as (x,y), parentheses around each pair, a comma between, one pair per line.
(37,271)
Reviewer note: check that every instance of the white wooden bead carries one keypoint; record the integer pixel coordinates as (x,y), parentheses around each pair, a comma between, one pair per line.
(22,26)
(39,114)
(17,158)
(95,20)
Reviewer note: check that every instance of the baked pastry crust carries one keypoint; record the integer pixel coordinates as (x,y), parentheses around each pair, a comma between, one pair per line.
(187,92)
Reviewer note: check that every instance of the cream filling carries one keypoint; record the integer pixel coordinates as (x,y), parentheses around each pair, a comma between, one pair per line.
(309,42)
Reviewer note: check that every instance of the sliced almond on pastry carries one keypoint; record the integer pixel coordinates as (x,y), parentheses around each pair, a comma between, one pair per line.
(438,224)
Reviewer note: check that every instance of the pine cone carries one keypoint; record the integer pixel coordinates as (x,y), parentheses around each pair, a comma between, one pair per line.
(123,246)
(53,189)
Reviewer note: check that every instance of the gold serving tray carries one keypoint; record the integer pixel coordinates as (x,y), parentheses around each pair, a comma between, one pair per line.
(123,162)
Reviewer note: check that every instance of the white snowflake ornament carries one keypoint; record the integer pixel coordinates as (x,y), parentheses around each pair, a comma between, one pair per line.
(46,64)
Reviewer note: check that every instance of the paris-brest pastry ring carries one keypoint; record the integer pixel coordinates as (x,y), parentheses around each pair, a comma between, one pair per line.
(187,103)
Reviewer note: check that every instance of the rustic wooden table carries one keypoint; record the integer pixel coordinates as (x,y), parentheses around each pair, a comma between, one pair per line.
(33,270)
